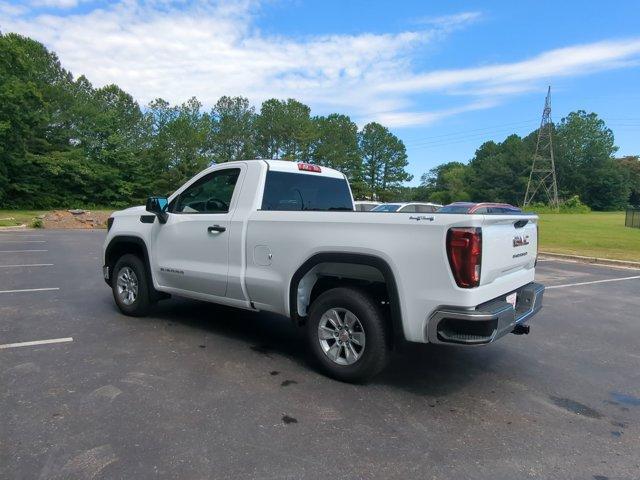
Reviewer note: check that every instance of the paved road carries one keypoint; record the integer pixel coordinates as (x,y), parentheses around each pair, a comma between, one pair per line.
(198,391)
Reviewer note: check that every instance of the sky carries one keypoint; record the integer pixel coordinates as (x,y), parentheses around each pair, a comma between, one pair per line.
(443,76)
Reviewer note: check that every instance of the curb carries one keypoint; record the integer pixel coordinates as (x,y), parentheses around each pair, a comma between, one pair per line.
(599,261)
(14,227)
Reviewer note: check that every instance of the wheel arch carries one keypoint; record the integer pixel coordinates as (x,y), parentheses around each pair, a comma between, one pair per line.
(374,261)
(122,245)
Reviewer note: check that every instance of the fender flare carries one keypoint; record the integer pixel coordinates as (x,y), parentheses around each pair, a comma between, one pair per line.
(123,239)
(355,258)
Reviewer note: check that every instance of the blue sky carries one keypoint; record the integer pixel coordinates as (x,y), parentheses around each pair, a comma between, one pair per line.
(443,77)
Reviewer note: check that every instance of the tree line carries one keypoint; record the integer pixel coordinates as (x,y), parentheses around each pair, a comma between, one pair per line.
(65,143)
(584,152)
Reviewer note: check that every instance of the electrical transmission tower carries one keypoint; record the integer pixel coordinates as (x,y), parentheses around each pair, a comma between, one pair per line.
(542,178)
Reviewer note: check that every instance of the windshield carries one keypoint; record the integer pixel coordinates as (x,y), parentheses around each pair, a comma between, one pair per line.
(297,191)
(389,207)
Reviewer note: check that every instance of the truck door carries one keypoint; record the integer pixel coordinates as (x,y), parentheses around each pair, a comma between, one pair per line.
(191,250)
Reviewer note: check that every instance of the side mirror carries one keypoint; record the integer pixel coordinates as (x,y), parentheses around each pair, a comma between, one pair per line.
(158,206)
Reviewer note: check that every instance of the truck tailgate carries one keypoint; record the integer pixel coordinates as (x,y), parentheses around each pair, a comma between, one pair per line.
(509,244)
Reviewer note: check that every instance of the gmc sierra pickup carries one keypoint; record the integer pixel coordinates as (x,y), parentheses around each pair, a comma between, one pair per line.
(284,237)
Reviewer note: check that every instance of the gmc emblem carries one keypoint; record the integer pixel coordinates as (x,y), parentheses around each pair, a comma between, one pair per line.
(520,240)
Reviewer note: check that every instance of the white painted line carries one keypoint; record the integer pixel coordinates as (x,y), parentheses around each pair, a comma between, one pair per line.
(22,241)
(25,290)
(36,342)
(21,251)
(591,283)
(28,265)
(18,234)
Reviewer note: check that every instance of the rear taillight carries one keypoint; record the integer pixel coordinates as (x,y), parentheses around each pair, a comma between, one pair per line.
(464,249)
(535,264)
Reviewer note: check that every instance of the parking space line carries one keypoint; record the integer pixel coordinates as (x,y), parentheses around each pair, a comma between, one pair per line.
(22,241)
(592,282)
(26,290)
(36,342)
(28,265)
(21,251)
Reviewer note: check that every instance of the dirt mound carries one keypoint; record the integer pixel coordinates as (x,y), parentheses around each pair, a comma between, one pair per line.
(75,219)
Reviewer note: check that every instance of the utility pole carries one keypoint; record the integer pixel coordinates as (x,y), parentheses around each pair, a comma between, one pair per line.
(543,168)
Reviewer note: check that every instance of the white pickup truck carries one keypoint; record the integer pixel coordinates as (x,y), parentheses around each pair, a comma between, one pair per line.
(284,237)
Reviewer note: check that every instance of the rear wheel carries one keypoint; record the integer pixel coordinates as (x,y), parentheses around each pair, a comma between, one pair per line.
(347,334)
(130,286)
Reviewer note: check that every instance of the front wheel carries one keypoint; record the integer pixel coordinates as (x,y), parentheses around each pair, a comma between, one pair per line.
(347,334)
(130,286)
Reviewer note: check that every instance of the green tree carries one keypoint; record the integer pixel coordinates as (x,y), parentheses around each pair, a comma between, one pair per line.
(32,83)
(179,142)
(583,146)
(445,183)
(631,166)
(336,146)
(232,130)
(499,172)
(609,187)
(384,160)
(284,130)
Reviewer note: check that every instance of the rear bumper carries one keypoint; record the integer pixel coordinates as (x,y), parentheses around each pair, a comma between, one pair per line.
(487,322)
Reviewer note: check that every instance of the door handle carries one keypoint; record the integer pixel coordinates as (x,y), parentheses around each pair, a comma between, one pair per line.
(216,228)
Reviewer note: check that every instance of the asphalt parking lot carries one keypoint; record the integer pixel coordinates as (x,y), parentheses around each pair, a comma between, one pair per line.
(199,391)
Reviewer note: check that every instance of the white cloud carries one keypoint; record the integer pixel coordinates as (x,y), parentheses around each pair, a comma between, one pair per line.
(178,49)
(575,60)
(55,3)
(406,119)
(9,9)
(451,21)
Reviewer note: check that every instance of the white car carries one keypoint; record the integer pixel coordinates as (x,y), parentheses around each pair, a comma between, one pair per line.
(365,205)
(411,207)
(283,237)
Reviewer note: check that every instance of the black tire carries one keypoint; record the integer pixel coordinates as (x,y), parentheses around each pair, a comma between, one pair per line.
(140,306)
(375,353)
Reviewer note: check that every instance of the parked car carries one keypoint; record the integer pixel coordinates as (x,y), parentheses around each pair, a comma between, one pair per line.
(412,207)
(365,205)
(479,208)
(283,237)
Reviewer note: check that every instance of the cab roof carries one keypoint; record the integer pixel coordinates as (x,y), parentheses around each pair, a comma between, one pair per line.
(292,167)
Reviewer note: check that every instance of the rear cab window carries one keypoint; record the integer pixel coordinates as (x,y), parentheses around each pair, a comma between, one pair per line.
(286,191)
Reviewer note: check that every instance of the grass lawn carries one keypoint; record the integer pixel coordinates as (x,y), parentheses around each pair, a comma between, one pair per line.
(11,218)
(595,234)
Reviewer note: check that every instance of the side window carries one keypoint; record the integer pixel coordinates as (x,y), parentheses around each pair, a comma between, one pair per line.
(211,194)
(425,209)
(408,209)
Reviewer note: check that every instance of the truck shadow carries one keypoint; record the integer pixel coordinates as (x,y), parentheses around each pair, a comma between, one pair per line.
(426,370)
(438,370)
(263,332)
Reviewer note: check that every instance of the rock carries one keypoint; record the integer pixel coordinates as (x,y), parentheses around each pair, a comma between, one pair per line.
(76,211)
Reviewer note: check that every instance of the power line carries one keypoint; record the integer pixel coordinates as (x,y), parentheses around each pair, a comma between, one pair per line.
(466,132)
(453,141)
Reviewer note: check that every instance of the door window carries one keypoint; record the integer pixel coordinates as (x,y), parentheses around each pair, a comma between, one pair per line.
(211,194)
